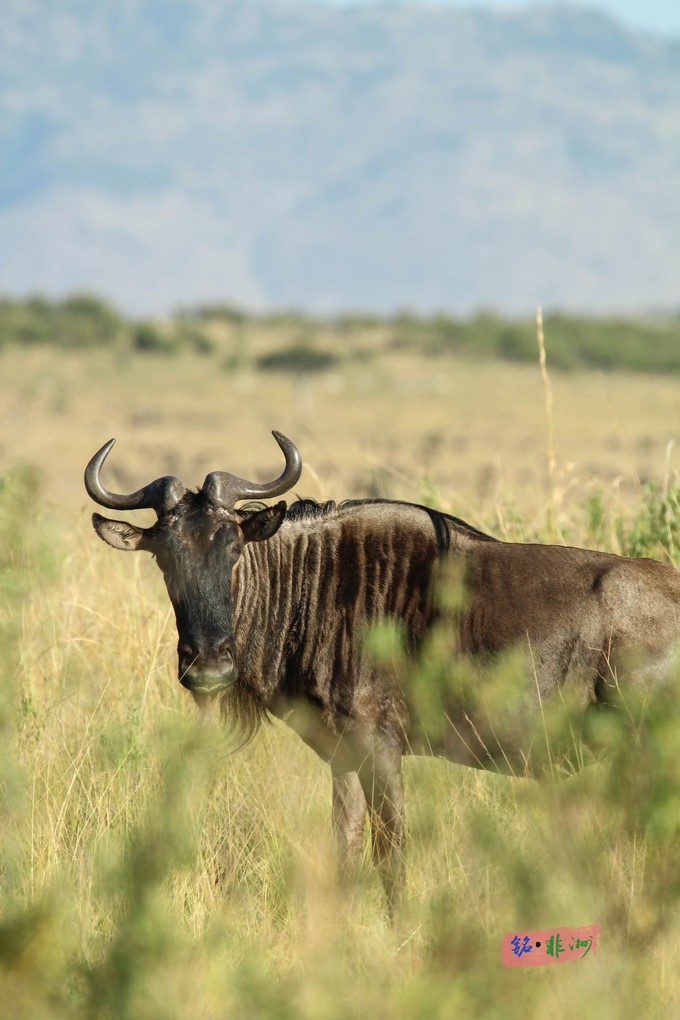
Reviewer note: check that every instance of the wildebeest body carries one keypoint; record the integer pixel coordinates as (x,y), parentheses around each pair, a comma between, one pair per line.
(314,589)
(273,606)
(303,602)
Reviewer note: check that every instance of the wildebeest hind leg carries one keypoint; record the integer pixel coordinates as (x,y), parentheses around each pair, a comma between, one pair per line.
(383,787)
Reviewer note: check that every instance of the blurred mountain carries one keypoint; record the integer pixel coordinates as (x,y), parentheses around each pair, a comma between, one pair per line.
(165,152)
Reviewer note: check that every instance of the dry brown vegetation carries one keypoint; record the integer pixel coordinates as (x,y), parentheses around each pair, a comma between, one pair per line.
(149,874)
(470,434)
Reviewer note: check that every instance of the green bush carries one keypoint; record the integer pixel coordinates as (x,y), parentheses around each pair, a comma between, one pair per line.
(24,322)
(297,358)
(86,321)
(79,321)
(655,528)
(149,339)
(218,313)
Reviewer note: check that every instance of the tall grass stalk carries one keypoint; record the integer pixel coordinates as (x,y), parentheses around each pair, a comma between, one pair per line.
(551,455)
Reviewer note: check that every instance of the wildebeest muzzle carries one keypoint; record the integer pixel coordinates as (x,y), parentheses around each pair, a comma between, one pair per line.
(207,672)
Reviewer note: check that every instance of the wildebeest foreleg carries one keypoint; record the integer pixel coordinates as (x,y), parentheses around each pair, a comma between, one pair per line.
(349,819)
(383,787)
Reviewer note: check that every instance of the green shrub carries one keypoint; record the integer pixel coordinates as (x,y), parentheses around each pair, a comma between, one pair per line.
(218,313)
(149,339)
(79,321)
(655,529)
(297,358)
(84,321)
(25,322)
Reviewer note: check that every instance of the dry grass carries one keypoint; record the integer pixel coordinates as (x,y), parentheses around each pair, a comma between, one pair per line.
(475,432)
(149,874)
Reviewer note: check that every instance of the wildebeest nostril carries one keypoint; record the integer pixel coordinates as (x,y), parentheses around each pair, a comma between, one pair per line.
(225,652)
(214,661)
(187,655)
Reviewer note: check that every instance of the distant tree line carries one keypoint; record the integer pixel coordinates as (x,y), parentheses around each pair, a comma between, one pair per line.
(84,320)
(297,343)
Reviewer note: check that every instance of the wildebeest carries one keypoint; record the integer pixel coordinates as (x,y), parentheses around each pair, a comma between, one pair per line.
(273,604)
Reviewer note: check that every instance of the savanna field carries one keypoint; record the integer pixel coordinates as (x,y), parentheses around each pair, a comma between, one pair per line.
(149,873)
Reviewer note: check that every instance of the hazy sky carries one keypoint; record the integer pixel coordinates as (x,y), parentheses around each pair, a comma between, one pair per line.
(653,15)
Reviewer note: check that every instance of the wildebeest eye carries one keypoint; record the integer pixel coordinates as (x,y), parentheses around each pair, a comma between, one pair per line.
(227,544)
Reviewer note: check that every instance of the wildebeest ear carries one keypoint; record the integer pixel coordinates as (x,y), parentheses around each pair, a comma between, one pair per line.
(119,534)
(264,523)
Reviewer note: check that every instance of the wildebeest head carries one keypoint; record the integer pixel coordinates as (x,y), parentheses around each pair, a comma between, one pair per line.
(197,541)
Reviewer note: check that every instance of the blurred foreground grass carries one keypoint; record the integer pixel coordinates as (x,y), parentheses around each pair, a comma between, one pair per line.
(148,874)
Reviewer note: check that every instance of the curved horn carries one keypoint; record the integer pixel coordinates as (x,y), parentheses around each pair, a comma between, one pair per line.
(161,495)
(224,489)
